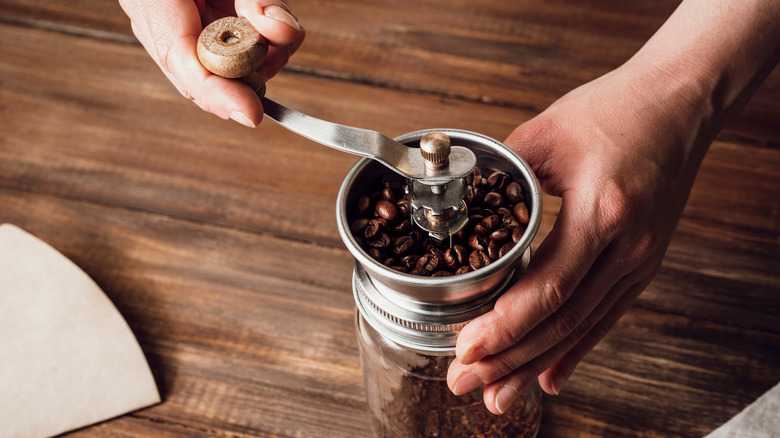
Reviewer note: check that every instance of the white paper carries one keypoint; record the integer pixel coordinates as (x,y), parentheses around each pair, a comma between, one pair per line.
(67,357)
(759,420)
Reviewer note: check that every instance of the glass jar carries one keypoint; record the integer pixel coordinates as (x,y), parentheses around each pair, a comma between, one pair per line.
(408,396)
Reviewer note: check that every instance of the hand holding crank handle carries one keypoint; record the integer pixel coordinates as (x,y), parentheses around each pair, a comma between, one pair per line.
(232,48)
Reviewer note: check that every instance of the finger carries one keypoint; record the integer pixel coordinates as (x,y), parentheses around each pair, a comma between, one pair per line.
(571,323)
(278,57)
(558,267)
(169,32)
(272,18)
(553,378)
(500,395)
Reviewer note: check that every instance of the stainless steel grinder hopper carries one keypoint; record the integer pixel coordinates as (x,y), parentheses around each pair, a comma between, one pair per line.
(428,312)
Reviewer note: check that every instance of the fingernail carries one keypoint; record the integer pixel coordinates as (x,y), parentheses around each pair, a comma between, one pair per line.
(466,383)
(505,397)
(279,14)
(242,119)
(557,383)
(473,355)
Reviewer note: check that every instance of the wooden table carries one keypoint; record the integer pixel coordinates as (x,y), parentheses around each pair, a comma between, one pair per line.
(218,243)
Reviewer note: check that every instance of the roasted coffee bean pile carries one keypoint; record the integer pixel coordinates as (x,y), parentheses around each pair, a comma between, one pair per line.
(497,220)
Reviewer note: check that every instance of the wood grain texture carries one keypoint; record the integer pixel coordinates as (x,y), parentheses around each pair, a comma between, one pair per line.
(219,246)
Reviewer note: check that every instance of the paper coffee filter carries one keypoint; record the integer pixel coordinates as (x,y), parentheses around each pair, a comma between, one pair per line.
(67,357)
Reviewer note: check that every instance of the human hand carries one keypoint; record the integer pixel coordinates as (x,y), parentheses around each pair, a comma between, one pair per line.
(621,153)
(169,32)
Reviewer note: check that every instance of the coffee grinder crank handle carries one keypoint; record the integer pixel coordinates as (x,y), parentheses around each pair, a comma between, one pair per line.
(231,47)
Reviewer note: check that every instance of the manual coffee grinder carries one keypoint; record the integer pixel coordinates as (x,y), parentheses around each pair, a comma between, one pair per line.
(409,312)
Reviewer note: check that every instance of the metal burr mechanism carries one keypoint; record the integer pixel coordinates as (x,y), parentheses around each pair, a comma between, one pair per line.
(438,208)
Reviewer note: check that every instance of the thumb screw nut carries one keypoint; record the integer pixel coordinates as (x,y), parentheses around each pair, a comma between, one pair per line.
(435,149)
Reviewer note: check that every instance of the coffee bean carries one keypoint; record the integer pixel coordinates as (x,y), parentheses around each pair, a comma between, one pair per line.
(478,259)
(509,221)
(474,219)
(380,241)
(493,248)
(451,259)
(386,210)
(435,250)
(521,213)
(389,261)
(429,262)
(374,227)
(498,180)
(456,256)
(403,227)
(487,225)
(375,254)
(363,206)
(503,211)
(500,235)
(517,234)
(462,253)
(389,195)
(404,206)
(422,272)
(505,249)
(493,200)
(410,261)
(403,269)
(476,243)
(359,225)
(514,193)
(441,274)
(402,245)
(463,270)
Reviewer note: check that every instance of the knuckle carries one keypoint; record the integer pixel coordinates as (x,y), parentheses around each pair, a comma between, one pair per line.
(162,46)
(554,293)
(502,365)
(581,330)
(565,325)
(502,329)
(614,207)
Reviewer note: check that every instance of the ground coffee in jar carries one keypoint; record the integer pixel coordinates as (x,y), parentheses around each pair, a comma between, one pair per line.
(407,321)
(408,395)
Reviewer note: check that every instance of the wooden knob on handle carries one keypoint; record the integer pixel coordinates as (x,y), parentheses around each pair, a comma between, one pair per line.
(230,47)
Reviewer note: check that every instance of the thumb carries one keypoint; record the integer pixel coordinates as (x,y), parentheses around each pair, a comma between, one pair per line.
(274,20)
